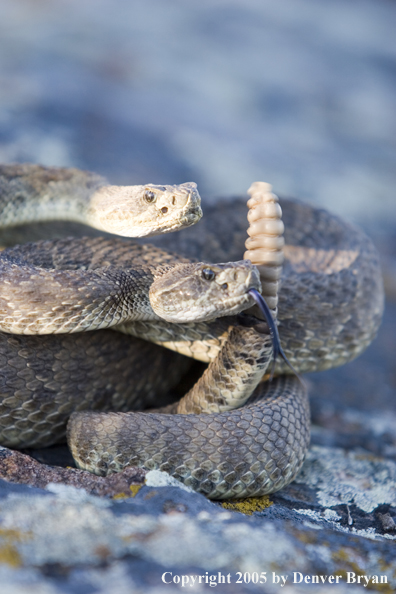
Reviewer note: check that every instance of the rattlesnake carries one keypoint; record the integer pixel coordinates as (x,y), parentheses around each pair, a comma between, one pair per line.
(330,306)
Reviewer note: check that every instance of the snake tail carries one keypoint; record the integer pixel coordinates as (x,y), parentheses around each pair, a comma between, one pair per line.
(264,247)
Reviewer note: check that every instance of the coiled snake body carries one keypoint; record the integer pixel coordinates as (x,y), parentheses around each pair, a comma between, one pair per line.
(330,306)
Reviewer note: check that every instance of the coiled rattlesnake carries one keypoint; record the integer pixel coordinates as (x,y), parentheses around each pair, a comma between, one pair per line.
(330,305)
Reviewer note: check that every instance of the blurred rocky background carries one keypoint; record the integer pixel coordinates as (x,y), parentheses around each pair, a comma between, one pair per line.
(298,93)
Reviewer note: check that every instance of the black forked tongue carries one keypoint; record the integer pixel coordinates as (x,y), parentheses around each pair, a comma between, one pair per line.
(276,345)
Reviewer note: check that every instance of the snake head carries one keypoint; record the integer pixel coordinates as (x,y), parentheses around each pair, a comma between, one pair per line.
(139,211)
(197,292)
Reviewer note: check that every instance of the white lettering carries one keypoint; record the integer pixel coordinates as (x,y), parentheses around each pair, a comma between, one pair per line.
(297,577)
(351,579)
(212,580)
(278,578)
(164,579)
(220,578)
(275,578)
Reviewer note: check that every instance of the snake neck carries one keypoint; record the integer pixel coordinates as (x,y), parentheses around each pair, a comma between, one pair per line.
(201,341)
(33,194)
(75,300)
(231,377)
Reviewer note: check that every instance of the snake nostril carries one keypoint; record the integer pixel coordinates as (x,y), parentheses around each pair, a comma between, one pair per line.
(173,200)
(224,286)
(164,209)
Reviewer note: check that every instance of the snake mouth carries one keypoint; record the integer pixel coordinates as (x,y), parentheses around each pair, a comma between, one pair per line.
(240,297)
(235,303)
(191,216)
(192,211)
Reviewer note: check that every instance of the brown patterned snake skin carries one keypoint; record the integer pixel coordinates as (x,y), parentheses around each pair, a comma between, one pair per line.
(330,306)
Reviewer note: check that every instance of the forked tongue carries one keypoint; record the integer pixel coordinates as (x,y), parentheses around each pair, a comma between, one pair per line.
(276,345)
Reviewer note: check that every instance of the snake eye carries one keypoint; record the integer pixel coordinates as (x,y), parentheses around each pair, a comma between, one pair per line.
(149,196)
(208,274)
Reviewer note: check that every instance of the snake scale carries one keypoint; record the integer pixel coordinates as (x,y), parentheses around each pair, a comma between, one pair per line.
(329,307)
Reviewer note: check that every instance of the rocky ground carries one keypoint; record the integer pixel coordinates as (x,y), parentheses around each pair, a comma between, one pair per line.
(300,94)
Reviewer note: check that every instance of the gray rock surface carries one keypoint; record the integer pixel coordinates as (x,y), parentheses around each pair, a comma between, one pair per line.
(301,94)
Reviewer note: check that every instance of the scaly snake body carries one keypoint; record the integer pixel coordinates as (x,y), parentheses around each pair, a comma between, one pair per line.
(330,305)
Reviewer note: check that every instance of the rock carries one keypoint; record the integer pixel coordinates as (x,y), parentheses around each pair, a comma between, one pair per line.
(19,468)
